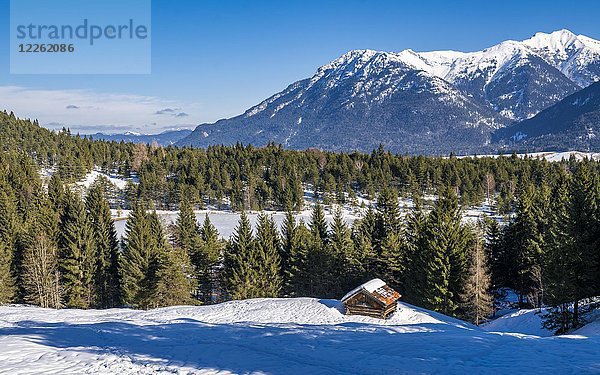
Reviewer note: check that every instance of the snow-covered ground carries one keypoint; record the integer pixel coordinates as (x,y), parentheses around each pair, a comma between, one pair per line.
(227,221)
(90,178)
(527,321)
(275,336)
(530,321)
(550,156)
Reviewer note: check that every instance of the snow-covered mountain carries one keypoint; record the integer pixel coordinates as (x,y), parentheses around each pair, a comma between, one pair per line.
(519,79)
(417,102)
(576,56)
(166,138)
(574,122)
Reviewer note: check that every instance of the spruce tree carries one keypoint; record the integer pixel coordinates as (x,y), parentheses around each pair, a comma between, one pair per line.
(318,259)
(8,229)
(174,280)
(56,192)
(7,282)
(525,243)
(415,257)
(240,261)
(288,233)
(445,247)
(497,254)
(77,252)
(208,265)
(365,252)
(187,239)
(345,266)
(169,280)
(388,238)
(318,224)
(139,252)
(186,229)
(584,229)
(296,242)
(267,248)
(364,234)
(560,261)
(106,278)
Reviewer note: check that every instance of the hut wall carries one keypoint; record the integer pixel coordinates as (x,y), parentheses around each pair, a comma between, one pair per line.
(362,304)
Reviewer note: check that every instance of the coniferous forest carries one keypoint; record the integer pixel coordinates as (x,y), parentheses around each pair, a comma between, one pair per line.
(59,247)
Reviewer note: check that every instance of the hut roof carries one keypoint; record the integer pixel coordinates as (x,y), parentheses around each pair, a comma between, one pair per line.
(378,289)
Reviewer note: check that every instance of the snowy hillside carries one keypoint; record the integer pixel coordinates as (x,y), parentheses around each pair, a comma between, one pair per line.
(274,336)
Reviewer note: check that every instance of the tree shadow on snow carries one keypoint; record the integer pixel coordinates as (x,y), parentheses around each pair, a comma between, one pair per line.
(300,348)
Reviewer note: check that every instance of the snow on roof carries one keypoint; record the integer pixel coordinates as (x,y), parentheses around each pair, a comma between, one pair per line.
(369,286)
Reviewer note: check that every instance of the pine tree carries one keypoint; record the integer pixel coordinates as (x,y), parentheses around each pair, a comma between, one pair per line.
(389,212)
(106,276)
(77,252)
(477,301)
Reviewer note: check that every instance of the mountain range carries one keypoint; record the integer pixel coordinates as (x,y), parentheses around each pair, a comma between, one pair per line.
(572,123)
(416,102)
(166,138)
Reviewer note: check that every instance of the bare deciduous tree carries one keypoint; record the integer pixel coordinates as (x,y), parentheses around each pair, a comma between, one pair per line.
(477,300)
(490,185)
(140,155)
(42,278)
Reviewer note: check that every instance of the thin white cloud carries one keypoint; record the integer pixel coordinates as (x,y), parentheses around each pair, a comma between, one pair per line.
(87,111)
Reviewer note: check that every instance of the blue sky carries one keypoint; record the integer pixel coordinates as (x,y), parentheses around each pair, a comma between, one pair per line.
(214,59)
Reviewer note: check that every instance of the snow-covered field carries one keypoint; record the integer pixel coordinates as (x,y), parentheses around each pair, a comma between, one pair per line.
(226,221)
(275,336)
(550,156)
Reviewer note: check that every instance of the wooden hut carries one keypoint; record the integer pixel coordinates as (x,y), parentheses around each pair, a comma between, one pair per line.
(373,298)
